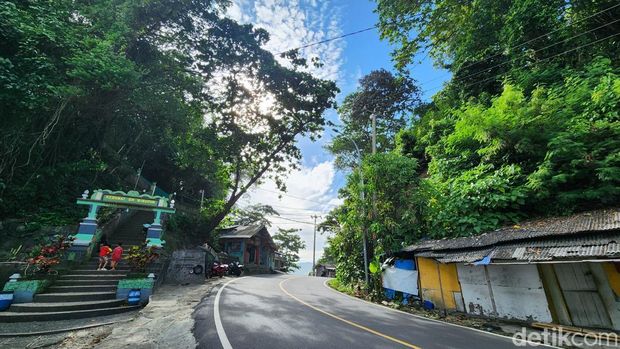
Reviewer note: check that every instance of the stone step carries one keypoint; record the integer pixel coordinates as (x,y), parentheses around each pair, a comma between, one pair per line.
(73,296)
(109,287)
(89,271)
(101,275)
(85,282)
(97,272)
(64,306)
(9,316)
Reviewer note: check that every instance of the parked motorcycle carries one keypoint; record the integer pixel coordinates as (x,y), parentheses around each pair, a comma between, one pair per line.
(219,269)
(235,269)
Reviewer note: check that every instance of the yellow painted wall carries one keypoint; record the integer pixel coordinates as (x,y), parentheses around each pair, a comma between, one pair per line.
(429,282)
(614,277)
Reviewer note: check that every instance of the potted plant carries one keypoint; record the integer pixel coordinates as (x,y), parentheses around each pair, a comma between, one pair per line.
(39,269)
(6,299)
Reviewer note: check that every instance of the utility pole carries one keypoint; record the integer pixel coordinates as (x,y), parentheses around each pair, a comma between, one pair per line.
(364,233)
(202,197)
(138,174)
(374,192)
(314,247)
(362,196)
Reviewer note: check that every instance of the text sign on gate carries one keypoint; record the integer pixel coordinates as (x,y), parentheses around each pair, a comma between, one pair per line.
(129,200)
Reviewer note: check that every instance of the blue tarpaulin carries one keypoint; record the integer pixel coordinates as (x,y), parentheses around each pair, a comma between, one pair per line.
(407,264)
(484,261)
(389,293)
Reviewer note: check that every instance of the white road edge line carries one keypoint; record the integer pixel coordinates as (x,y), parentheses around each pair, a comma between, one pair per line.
(218,320)
(433,320)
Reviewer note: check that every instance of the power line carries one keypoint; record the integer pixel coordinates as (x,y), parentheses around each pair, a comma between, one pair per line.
(300,209)
(526,53)
(527,42)
(292,220)
(543,59)
(330,39)
(292,196)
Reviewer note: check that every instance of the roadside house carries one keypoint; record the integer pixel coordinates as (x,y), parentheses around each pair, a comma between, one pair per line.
(278,261)
(564,270)
(325,270)
(252,245)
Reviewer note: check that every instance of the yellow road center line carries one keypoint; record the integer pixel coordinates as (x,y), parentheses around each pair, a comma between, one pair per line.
(377,333)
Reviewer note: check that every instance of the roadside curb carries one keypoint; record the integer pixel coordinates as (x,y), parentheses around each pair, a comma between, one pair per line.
(70,329)
(430,319)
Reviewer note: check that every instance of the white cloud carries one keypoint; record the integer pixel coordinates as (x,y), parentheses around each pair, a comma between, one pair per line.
(308,193)
(295,23)
(292,24)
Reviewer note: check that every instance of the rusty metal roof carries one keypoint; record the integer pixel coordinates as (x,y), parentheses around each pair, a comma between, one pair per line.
(592,221)
(246,232)
(240,231)
(583,246)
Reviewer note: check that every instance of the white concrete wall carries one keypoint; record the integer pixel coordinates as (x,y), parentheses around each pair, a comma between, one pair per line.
(612,302)
(475,289)
(517,291)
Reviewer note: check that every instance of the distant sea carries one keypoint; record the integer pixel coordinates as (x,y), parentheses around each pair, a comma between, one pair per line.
(304,268)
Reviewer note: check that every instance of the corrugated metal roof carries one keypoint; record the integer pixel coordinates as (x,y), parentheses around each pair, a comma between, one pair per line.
(246,232)
(593,221)
(240,231)
(584,246)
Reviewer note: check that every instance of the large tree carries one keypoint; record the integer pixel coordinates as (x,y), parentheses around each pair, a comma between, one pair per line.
(289,243)
(253,215)
(481,42)
(390,98)
(93,91)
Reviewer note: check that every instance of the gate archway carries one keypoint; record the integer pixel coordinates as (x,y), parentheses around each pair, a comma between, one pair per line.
(132,200)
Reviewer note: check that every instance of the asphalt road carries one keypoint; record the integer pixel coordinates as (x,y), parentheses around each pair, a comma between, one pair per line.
(282,311)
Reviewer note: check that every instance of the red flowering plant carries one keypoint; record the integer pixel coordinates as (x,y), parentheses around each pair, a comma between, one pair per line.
(43,258)
(139,257)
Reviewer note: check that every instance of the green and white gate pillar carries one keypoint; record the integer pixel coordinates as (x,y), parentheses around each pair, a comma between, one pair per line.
(88,225)
(154,233)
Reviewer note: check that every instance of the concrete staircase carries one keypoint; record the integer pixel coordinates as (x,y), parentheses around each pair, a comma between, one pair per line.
(84,291)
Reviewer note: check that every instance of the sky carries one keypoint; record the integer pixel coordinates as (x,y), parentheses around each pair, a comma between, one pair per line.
(313,189)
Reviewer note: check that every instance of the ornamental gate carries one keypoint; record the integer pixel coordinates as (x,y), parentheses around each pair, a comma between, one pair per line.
(131,200)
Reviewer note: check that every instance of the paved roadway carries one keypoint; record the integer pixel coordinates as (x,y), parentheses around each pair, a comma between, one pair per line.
(283,311)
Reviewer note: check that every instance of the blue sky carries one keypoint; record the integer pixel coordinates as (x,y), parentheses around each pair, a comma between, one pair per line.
(312,190)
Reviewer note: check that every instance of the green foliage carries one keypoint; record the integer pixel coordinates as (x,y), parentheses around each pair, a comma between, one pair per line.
(43,258)
(289,243)
(187,230)
(92,91)
(253,214)
(136,283)
(481,42)
(390,98)
(341,287)
(34,286)
(393,179)
(524,129)
(140,257)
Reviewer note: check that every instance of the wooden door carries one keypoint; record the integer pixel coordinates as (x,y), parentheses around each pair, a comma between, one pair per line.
(584,303)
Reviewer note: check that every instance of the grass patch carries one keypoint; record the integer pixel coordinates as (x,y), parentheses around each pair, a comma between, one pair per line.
(341,287)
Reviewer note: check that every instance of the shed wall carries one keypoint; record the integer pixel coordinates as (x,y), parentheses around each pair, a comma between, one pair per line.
(514,292)
(476,293)
(613,274)
(430,271)
(519,292)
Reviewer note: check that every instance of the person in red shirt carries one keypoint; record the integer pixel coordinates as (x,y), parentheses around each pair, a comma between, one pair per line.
(117,253)
(104,252)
